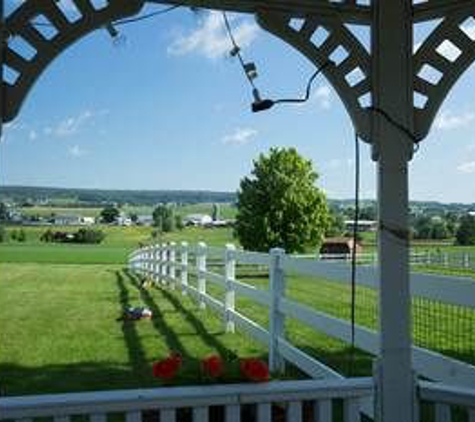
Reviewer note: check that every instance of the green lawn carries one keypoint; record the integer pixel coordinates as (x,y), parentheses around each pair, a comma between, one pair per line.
(61,333)
(119,242)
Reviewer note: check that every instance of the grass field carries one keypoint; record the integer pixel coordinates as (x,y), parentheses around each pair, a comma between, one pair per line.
(227,211)
(119,242)
(60,330)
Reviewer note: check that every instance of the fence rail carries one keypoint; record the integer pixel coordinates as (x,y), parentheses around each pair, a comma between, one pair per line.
(218,267)
(452,260)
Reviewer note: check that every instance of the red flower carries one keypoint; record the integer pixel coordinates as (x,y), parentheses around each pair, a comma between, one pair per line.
(167,368)
(254,369)
(213,366)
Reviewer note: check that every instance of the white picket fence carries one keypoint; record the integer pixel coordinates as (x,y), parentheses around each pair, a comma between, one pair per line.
(172,265)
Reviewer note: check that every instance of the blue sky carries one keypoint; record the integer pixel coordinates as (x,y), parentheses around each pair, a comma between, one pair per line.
(169,110)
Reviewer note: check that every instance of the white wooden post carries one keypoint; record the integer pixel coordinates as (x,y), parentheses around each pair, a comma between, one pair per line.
(184,267)
(163,263)
(393,96)
(466,262)
(201,268)
(276,318)
(142,260)
(172,261)
(229,295)
(446,259)
(156,263)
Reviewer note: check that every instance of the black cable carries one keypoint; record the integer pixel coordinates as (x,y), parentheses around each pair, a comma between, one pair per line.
(308,88)
(146,16)
(128,20)
(356,217)
(415,140)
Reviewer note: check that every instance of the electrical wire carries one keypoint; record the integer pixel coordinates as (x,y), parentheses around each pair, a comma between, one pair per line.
(146,16)
(237,49)
(415,140)
(308,89)
(356,217)
(128,20)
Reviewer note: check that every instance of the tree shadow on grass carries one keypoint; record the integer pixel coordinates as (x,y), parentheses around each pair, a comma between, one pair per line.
(209,338)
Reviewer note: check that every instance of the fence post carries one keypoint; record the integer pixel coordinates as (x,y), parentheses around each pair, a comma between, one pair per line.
(466,262)
(163,265)
(201,268)
(184,267)
(156,278)
(172,261)
(276,318)
(143,260)
(229,295)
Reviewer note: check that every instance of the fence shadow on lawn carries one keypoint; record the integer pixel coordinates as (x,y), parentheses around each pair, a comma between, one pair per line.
(172,339)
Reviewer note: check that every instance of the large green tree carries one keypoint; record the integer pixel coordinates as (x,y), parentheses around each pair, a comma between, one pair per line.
(279,204)
(466,232)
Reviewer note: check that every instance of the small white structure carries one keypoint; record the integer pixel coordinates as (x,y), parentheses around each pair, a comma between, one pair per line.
(363,225)
(144,220)
(124,221)
(67,220)
(198,220)
(88,221)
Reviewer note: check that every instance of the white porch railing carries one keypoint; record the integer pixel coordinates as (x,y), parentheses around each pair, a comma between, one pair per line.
(445,400)
(283,401)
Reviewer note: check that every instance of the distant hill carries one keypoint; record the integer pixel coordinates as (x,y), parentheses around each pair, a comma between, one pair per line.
(65,197)
(93,197)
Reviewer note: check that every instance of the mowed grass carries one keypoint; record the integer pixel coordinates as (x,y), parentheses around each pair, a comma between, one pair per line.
(61,330)
(118,243)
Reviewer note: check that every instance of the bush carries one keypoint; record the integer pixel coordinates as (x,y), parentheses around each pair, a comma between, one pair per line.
(3,234)
(21,236)
(86,236)
(89,236)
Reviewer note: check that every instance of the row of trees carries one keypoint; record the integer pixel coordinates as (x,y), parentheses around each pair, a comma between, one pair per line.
(15,235)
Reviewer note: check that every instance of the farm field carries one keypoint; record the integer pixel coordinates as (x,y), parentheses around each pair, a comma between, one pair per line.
(226,211)
(118,243)
(60,330)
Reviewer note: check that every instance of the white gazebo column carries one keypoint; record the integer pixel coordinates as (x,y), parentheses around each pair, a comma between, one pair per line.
(393,103)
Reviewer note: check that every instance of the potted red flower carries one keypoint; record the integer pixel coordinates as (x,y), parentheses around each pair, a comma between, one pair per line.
(212,367)
(254,370)
(167,369)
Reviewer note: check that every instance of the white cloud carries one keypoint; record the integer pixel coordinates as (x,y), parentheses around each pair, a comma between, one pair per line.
(210,38)
(76,151)
(450,121)
(468,167)
(71,125)
(323,96)
(240,136)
